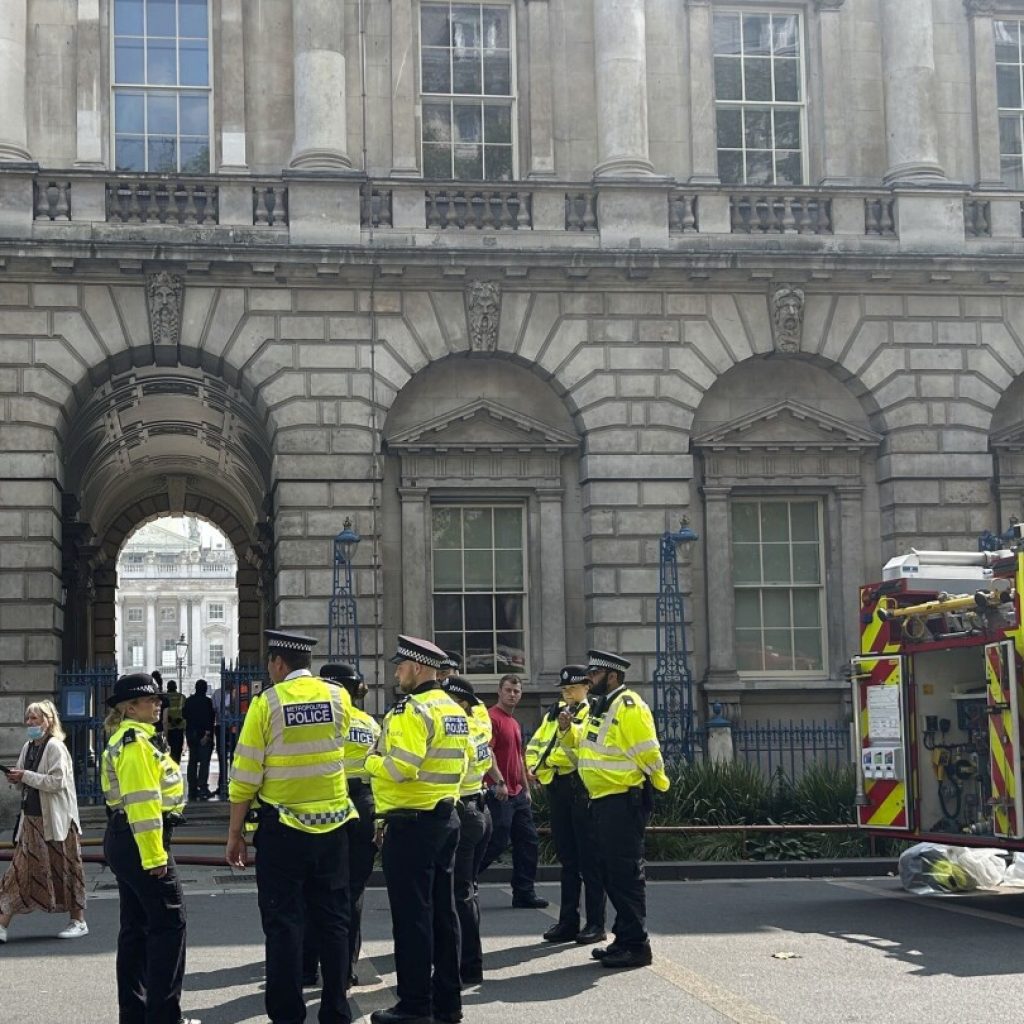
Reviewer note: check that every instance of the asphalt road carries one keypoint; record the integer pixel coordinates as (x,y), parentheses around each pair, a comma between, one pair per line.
(751,952)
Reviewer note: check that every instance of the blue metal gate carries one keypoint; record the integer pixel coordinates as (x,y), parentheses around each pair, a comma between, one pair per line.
(238,685)
(792,746)
(82,701)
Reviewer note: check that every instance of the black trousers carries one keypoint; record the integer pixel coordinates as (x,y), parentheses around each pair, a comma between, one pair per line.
(513,822)
(418,859)
(361,854)
(474,832)
(572,828)
(300,873)
(151,939)
(620,821)
(199,754)
(176,743)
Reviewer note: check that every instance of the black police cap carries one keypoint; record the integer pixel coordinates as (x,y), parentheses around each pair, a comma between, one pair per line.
(139,684)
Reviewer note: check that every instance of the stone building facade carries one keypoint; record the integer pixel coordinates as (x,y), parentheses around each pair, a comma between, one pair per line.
(514,285)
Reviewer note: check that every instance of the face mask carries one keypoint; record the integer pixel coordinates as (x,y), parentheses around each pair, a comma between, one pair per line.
(36,732)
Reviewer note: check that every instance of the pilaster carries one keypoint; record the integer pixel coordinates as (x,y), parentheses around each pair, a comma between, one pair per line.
(233,156)
(542,125)
(986,103)
(722,671)
(89,138)
(703,149)
(13,52)
(404,161)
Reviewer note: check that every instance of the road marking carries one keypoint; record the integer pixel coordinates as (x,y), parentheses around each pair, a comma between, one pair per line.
(700,987)
(950,904)
(367,998)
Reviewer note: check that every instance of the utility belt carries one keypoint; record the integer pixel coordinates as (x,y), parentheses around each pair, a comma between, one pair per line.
(440,810)
(475,800)
(117,820)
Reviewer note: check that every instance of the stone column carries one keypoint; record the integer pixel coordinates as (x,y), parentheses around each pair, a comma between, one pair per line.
(120,647)
(835,162)
(233,156)
(986,103)
(852,571)
(721,599)
(89,144)
(152,659)
(404,161)
(415,552)
(552,585)
(542,123)
(321,142)
(620,56)
(703,149)
(13,114)
(908,74)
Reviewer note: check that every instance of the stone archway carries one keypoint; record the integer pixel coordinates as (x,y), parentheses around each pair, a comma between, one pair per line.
(159,441)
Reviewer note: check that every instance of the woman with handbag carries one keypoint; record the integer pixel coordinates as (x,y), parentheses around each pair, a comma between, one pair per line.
(46,869)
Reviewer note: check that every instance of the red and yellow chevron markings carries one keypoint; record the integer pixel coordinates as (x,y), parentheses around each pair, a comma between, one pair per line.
(887,798)
(1002,736)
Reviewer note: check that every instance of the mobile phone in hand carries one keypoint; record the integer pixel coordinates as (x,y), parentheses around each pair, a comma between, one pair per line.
(5,769)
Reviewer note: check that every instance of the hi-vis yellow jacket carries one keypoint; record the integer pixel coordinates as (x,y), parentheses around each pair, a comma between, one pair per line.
(560,759)
(140,779)
(362,735)
(422,753)
(481,755)
(618,746)
(291,754)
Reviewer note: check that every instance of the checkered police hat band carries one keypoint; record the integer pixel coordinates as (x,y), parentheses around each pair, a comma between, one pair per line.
(615,666)
(410,654)
(289,645)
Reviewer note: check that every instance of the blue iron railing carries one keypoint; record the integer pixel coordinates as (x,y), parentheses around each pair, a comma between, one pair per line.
(238,685)
(792,746)
(82,702)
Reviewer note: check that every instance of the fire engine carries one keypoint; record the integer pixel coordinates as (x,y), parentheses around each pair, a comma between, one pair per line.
(938,694)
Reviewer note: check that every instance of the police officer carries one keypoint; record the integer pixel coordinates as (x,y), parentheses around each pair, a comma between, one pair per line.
(619,761)
(572,826)
(144,795)
(449,667)
(362,735)
(416,771)
(289,764)
(475,827)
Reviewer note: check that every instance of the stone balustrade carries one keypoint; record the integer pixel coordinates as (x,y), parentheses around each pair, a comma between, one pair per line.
(549,215)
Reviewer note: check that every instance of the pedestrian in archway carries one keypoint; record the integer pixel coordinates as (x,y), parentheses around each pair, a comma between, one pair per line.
(46,869)
(200,727)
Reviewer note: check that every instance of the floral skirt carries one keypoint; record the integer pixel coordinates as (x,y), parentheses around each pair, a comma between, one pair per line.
(43,876)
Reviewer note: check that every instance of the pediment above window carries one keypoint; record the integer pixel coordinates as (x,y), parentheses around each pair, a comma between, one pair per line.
(482,426)
(1009,439)
(787,426)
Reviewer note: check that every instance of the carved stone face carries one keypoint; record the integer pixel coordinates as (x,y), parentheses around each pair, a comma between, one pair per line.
(165,293)
(788,318)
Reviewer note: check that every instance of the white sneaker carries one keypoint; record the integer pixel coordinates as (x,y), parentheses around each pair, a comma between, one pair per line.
(3,933)
(75,930)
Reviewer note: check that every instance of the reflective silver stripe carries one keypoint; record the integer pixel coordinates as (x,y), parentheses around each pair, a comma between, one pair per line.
(241,775)
(301,771)
(147,825)
(618,767)
(252,753)
(325,746)
(639,748)
(446,753)
(142,796)
(338,703)
(609,718)
(439,777)
(406,756)
(597,748)
(355,764)
(423,710)
(393,770)
(276,717)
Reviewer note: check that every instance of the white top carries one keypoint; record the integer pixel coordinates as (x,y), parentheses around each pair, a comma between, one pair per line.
(55,781)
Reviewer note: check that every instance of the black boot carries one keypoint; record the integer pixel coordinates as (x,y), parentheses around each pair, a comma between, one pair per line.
(562,931)
(625,959)
(591,934)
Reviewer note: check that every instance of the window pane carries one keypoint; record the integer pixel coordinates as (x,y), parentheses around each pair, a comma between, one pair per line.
(195,62)
(498,163)
(467,124)
(479,571)
(437,126)
(775,608)
(480,613)
(163,113)
(806,563)
(757,124)
(448,613)
(446,528)
(776,563)
(451,642)
(508,570)
(807,650)
(195,115)
(498,74)
(730,167)
(730,127)
(498,124)
(437,73)
(789,169)
(757,34)
(749,654)
(447,570)
(128,112)
(727,33)
(163,154)
(1007,35)
(160,18)
(162,62)
(728,83)
(787,129)
(437,162)
(748,609)
(195,156)
(511,656)
(465,25)
(1008,85)
(786,38)
(129,154)
(806,609)
(508,528)
(466,73)
(787,81)
(477,528)
(778,650)
(774,521)
(193,18)
(508,611)
(1009,134)
(469,163)
(746,563)
(803,520)
(479,658)
(757,79)
(128,17)
(128,61)
(496,26)
(434,27)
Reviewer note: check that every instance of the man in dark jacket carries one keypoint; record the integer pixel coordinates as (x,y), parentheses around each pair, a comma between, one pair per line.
(200,722)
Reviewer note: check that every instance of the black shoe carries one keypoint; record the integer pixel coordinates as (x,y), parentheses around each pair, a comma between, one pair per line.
(602,951)
(471,978)
(627,958)
(529,901)
(353,979)
(393,1016)
(563,931)
(451,1017)
(591,934)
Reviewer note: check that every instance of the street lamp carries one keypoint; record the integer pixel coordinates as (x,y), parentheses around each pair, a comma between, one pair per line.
(180,654)
(342,620)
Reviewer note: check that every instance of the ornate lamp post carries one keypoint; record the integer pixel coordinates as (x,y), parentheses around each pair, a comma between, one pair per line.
(673,682)
(342,620)
(180,657)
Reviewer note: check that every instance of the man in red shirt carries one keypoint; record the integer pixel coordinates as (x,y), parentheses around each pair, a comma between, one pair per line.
(510,801)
